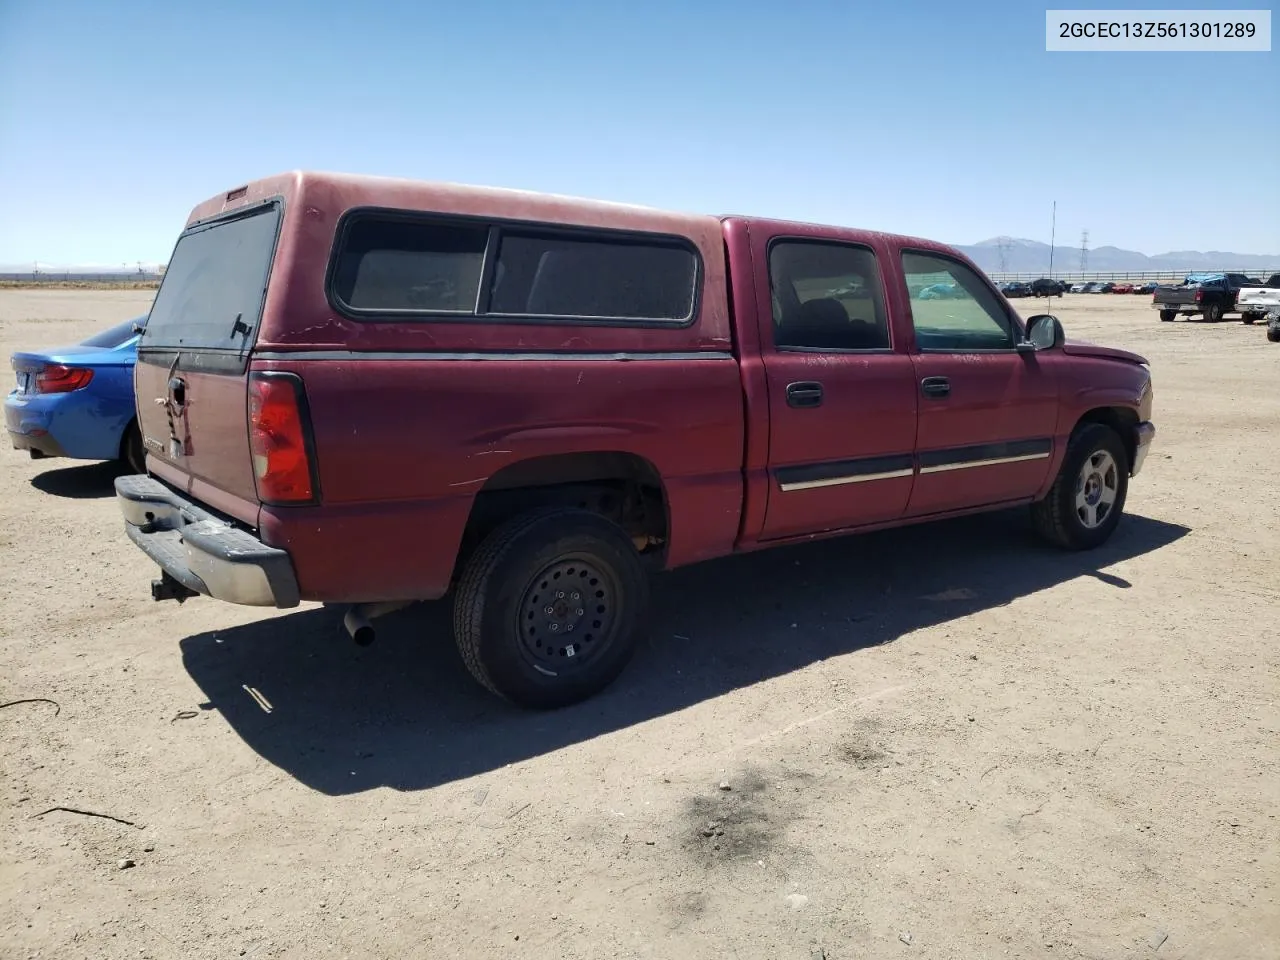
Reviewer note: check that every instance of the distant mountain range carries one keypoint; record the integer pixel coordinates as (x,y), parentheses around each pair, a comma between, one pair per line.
(1031,256)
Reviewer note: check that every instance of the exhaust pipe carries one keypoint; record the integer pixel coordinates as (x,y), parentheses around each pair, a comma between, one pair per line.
(358,617)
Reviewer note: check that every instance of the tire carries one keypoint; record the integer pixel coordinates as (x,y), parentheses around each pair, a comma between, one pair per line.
(1249,318)
(133,456)
(1213,312)
(1062,516)
(1166,316)
(512,639)
(1273,331)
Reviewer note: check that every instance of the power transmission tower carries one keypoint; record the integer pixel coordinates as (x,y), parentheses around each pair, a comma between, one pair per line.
(1004,245)
(1084,250)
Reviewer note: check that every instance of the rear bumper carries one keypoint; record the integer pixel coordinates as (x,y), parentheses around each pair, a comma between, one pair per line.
(1178,307)
(28,427)
(81,424)
(1143,434)
(202,551)
(40,445)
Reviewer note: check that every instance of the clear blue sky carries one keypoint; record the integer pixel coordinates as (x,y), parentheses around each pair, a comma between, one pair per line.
(936,118)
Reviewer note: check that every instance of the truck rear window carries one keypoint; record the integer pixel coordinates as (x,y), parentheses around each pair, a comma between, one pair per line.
(213,288)
(395,266)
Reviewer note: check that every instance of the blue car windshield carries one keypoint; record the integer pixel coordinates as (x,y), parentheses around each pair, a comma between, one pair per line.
(113,337)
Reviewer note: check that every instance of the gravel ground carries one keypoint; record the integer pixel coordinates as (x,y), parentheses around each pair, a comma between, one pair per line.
(945,741)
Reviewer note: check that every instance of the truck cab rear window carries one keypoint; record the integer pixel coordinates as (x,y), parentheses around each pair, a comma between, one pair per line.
(389,266)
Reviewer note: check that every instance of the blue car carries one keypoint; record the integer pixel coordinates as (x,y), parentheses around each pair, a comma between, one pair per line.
(78,401)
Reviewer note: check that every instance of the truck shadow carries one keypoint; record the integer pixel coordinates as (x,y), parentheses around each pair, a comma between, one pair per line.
(405,714)
(92,481)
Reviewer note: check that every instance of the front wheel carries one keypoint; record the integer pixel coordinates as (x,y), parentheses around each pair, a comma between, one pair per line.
(1086,501)
(549,607)
(1273,331)
(1166,316)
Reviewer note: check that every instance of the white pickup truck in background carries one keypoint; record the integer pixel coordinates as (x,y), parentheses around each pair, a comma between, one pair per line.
(1258,303)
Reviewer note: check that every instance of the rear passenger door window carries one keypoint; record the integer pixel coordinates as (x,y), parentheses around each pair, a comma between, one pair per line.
(952,309)
(826,297)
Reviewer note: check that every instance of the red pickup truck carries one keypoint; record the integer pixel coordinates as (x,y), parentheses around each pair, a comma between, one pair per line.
(369,392)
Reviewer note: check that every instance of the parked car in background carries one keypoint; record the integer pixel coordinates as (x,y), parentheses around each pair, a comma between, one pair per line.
(1103,287)
(1016,289)
(369,392)
(1211,295)
(1255,303)
(1146,288)
(78,401)
(938,291)
(1081,287)
(1047,287)
(1122,287)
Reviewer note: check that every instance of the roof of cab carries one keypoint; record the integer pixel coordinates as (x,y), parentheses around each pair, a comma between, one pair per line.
(805,228)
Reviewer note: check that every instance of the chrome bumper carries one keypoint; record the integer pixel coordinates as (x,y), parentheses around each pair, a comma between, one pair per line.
(1143,434)
(201,551)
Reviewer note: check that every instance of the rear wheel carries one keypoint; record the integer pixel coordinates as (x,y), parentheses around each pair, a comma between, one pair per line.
(1213,312)
(132,454)
(1167,316)
(1086,501)
(1248,318)
(549,607)
(1273,331)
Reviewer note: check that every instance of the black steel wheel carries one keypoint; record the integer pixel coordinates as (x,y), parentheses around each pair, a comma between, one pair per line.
(1166,316)
(549,607)
(568,614)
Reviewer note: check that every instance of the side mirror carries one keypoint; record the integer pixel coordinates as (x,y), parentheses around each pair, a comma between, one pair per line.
(1044,332)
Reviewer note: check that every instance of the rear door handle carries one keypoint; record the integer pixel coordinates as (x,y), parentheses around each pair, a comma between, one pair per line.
(935,387)
(806,393)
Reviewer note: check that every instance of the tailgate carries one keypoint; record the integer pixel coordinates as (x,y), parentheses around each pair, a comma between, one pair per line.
(1259,296)
(1176,295)
(191,374)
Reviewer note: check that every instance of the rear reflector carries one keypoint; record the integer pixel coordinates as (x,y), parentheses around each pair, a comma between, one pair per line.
(56,378)
(279,439)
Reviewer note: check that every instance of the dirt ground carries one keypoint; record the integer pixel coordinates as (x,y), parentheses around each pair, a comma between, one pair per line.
(942,742)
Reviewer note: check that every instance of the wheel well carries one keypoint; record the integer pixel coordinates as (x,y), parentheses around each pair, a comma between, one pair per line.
(623,487)
(1120,419)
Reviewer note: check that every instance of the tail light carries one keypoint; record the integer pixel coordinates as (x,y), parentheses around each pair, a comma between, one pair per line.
(56,378)
(280,439)
(1199,295)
